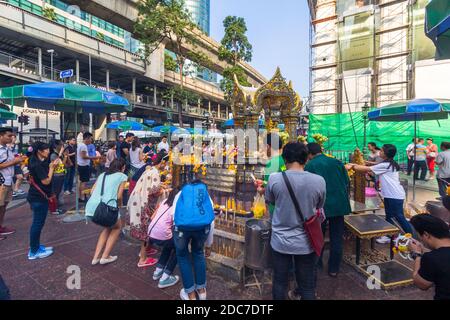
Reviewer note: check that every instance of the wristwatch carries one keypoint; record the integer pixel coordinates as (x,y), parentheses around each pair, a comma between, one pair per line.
(415,255)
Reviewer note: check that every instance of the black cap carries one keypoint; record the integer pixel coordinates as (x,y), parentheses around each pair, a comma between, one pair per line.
(6,129)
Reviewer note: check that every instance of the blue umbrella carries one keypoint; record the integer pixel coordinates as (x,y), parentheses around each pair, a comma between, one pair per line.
(412,110)
(200,131)
(169,129)
(230,123)
(127,126)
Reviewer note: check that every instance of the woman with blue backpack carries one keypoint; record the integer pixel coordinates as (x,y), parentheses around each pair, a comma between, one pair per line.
(194,224)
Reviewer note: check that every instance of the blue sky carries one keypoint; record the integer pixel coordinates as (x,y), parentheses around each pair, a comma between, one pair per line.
(278,31)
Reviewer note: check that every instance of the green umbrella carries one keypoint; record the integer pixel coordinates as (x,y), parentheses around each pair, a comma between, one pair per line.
(127,125)
(437,25)
(65,97)
(7,115)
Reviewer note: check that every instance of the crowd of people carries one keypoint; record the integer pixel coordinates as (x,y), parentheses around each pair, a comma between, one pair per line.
(133,180)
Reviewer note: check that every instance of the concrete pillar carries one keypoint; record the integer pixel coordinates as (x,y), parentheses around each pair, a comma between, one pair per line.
(134,89)
(209,107)
(155,97)
(40,62)
(218,111)
(77,70)
(227,116)
(107,79)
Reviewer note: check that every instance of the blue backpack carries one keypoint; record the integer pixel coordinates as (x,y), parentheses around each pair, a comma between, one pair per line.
(194,210)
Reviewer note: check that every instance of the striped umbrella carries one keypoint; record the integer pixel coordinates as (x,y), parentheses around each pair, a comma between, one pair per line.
(413,110)
(65,97)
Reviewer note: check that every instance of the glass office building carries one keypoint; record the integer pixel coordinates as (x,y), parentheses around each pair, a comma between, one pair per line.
(200,12)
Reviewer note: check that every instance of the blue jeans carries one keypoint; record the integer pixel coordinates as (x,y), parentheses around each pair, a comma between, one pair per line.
(168,258)
(394,211)
(40,210)
(305,267)
(197,240)
(336,226)
(68,181)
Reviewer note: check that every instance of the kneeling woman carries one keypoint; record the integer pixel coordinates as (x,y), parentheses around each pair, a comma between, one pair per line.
(115,181)
(160,233)
(392,191)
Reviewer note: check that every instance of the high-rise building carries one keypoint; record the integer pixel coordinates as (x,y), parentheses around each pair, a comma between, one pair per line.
(200,12)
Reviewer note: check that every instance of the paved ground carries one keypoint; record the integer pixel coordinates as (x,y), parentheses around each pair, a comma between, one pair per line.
(74,245)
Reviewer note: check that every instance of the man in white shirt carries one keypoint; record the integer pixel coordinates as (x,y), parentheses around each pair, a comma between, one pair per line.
(410,155)
(7,163)
(84,161)
(163,145)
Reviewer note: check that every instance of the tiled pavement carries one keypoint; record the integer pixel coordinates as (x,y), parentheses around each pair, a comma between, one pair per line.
(74,244)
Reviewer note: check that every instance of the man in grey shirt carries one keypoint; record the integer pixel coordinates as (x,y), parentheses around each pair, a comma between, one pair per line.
(443,162)
(289,239)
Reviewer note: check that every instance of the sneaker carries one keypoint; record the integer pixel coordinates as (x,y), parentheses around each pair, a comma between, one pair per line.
(58,212)
(40,254)
(157,275)
(4,231)
(148,263)
(14,194)
(292,295)
(20,192)
(201,296)
(110,259)
(168,282)
(42,247)
(184,295)
(66,193)
(383,240)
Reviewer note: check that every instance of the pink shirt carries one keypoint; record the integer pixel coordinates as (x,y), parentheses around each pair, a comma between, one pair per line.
(161,225)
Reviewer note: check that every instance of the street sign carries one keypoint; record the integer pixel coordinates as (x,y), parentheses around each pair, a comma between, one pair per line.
(66,74)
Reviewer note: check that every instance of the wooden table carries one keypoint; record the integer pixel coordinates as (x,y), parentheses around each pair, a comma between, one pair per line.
(370,226)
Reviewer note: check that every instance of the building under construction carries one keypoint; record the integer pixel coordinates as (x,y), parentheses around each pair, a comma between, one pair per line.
(373,53)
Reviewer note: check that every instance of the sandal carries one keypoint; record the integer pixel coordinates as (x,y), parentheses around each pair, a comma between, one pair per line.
(148,263)
(151,251)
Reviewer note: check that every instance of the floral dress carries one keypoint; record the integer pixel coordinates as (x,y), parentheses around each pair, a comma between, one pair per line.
(143,202)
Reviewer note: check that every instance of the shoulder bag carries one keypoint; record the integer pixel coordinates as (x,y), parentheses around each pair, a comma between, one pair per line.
(52,200)
(105,215)
(312,226)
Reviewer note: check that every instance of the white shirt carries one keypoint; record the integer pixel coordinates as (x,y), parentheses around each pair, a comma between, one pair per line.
(7,155)
(162,146)
(134,158)
(80,161)
(410,150)
(389,180)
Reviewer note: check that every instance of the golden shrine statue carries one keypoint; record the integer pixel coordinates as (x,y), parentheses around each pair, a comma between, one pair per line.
(276,99)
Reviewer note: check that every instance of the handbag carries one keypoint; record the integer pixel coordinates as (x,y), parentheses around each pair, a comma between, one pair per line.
(105,215)
(312,226)
(52,200)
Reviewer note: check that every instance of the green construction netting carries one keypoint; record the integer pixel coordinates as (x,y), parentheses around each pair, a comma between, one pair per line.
(339,130)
